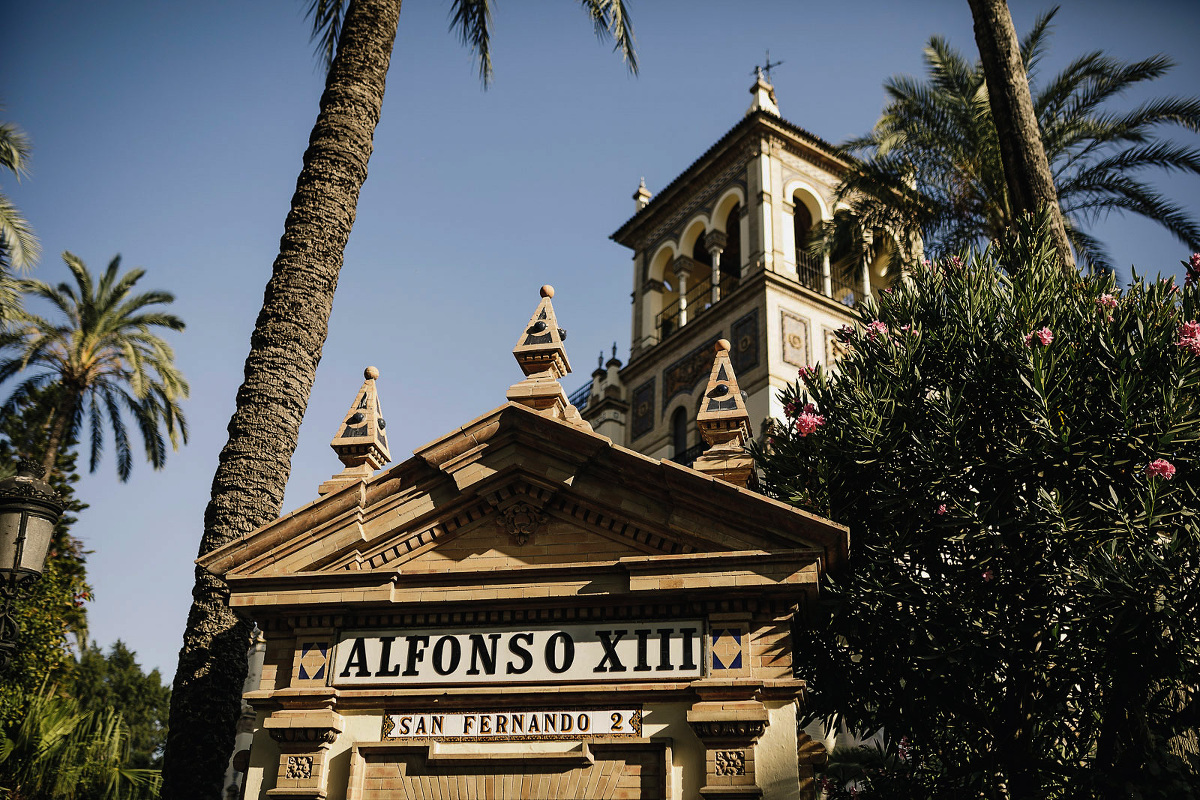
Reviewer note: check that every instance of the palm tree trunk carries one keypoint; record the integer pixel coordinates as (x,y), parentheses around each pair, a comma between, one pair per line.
(285,348)
(1026,168)
(59,425)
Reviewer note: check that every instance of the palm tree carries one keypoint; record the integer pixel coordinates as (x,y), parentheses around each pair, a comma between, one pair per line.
(932,166)
(1027,173)
(57,752)
(103,361)
(356,39)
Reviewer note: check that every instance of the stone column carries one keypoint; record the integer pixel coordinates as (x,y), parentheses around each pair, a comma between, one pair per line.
(683,268)
(715,241)
(826,275)
(651,307)
(868,238)
(304,738)
(728,720)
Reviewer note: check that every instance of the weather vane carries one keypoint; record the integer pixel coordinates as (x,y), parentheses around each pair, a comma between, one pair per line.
(765,70)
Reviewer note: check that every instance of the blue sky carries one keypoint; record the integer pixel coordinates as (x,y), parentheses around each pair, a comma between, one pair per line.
(172,133)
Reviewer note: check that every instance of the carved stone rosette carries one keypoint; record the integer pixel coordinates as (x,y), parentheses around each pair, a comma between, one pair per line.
(521,521)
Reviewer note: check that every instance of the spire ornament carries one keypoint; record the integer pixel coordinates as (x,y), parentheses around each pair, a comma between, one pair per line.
(543,359)
(360,442)
(724,423)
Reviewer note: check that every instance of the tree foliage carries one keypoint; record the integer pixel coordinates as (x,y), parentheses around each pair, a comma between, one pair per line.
(59,752)
(1015,449)
(931,169)
(53,616)
(105,361)
(18,245)
(116,682)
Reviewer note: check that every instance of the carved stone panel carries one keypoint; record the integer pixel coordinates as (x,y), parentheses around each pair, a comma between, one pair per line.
(744,337)
(731,762)
(643,409)
(794,330)
(299,767)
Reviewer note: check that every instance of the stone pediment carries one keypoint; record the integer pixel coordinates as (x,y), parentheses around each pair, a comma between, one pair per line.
(514,490)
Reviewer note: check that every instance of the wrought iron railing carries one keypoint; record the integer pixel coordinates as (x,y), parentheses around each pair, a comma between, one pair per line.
(699,300)
(809,271)
(846,291)
(579,398)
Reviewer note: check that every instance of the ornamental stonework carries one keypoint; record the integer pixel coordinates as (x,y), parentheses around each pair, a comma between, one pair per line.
(299,768)
(643,409)
(521,521)
(794,331)
(744,337)
(730,762)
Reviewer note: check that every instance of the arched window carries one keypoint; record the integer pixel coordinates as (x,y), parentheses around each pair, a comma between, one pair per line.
(679,432)
(731,257)
(700,253)
(808,269)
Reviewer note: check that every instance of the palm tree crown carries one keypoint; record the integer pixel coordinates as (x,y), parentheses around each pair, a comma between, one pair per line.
(105,361)
(932,164)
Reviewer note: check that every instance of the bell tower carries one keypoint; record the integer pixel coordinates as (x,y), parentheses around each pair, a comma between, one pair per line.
(721,253)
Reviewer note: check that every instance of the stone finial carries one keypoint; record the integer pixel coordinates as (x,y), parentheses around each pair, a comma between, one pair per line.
(543,359)
(360,441)
(641,197)
(764,96)
(724,423)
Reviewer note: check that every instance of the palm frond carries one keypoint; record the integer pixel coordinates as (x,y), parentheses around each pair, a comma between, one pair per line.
(472,21)
(327,17)
(611,20)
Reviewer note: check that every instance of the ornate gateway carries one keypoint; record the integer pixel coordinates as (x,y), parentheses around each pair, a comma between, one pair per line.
(525,610)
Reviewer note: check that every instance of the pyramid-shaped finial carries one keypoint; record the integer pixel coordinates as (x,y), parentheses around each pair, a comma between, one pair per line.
(360,441)
(543,359)
(724,423)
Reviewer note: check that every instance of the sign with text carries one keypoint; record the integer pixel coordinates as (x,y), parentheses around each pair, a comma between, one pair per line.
(510,725)
(609,651)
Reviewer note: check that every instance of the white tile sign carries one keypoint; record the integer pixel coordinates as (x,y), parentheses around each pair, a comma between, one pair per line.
(507,725)
(625,650)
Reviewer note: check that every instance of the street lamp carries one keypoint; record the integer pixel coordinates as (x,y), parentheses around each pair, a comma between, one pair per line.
(29,509)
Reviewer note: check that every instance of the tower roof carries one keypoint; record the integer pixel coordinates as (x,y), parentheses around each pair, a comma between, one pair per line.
(757,121)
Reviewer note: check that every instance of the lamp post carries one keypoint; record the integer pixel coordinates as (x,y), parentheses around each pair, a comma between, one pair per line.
(29,509)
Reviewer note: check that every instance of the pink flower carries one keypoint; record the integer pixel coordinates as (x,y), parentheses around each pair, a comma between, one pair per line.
(806,373)
(1043,336)
(1193,270)
(926,262)
(1161,468)
(877,328)
(941,509)
(845,332)
(1189,337)
(987,575)
(790,408)
(1106,301)
(809,420)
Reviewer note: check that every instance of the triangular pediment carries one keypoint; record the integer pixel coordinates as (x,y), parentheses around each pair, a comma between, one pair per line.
(517,524)
(514,490)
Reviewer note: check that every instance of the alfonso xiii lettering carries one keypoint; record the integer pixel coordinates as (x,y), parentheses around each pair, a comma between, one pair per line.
(651,650)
